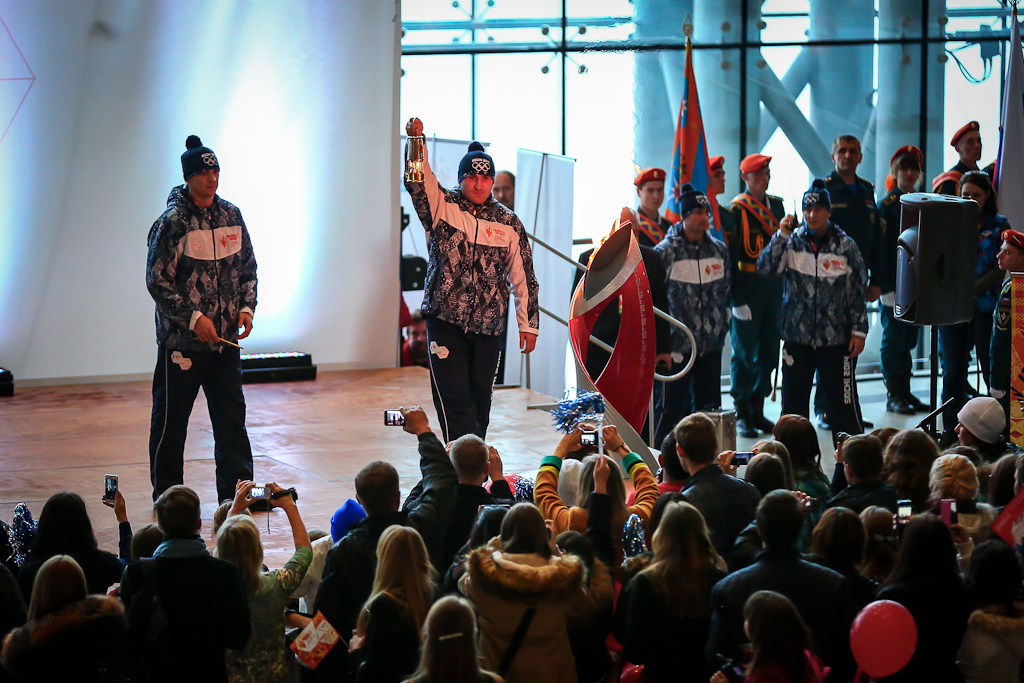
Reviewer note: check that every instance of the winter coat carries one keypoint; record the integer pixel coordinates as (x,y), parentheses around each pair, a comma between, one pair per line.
(992,649)
(858,215)
(502,587)
(84,641)
(477,252)
(825,283)
(699,282)
(200,263)
(772,674)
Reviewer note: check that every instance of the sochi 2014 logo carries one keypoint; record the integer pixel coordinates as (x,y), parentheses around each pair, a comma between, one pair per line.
(210,159)
(481,166)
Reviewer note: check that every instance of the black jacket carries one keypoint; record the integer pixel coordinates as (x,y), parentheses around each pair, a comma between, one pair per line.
(822,596)
(863,587)
(391,650)
(206,610)
(864,494)
(102,570)
(352,562)
(468,499)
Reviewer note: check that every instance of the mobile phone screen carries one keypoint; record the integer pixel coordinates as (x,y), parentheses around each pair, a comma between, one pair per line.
(109,486)
(393,418)
(742,458)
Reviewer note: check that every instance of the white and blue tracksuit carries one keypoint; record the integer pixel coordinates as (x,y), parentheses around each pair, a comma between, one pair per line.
(823,307)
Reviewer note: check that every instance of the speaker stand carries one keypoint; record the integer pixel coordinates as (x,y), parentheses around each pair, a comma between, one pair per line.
(930,421)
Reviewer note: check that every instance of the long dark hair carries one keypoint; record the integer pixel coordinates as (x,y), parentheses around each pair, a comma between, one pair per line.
(684,567)
(523,531)
(64,528)
(926,552)
(448,652)
(839,538)
(778,636)
(982,180)
(797,434)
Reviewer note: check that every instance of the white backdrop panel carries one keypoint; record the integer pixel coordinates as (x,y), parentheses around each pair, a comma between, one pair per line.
(299,100)
(549,178)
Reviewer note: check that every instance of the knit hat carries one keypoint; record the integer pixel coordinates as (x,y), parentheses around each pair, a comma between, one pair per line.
(953,476)
(476,162)
(197,158)
(817,195)
(691,199)
(983,417)
(344,517)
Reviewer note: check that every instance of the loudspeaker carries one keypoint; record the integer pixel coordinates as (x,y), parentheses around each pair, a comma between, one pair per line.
(935,259)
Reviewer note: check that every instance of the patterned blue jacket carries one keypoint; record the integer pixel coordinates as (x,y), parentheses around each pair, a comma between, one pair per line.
(699,279)
(477,253)
(990,240)
(200,263)
(825,282)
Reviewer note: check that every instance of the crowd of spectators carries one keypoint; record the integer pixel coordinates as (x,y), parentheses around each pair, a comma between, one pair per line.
(697,572)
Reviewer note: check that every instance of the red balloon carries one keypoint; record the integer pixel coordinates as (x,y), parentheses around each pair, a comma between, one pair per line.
(883,638)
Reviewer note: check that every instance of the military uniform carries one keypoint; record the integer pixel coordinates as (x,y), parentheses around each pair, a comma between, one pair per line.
(755,342)
(949,182)
(650,233)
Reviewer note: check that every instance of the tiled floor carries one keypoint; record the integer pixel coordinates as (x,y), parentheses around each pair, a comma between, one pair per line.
(311,435)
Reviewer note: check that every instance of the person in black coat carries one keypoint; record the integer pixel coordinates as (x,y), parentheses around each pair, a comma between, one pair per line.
(13,611)
(857,480)
(822,596)
(838,543)
(926,580)
(184,606)
(65,529)
(352,562)
(474,462)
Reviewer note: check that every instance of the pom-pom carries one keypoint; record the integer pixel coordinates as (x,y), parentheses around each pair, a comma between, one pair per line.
(818,184)
(570,411)
(475,146)
(22,532)
(193,141)
(687,187)
(633,539)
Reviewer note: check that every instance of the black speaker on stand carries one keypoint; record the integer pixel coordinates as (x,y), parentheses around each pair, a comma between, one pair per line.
(935,258)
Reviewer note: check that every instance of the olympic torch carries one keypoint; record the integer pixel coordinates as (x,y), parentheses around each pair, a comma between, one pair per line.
(416,151)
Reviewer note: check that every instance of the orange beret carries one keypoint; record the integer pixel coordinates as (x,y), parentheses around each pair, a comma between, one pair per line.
(649,174)
(973,125)
(1014,237)
(715,163)
(754,162)
(908,149)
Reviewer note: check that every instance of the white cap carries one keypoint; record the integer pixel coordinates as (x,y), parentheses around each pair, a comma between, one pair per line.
(983,417)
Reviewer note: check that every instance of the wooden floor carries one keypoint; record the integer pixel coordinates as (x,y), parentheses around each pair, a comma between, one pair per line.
(314,436)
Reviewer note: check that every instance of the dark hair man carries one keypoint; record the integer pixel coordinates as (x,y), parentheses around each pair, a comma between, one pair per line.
(967,143)
(414,349)
(478,251)
(861,459)
(699,279)
(716,186)
(755,298)
(504,189)
(201,272)
(728,504)
(823,309)
(197,600)
(822,596)
(352,562)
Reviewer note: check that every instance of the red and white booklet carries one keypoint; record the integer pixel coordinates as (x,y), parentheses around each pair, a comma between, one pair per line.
(315,641)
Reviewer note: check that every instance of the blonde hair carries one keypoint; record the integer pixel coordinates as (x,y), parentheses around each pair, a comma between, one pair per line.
(238,541)
(685,560)
(953,476)
(221,513)
(616,489)
(404,574)
(58,583)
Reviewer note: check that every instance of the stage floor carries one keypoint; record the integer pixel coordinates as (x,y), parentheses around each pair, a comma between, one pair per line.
(314,436)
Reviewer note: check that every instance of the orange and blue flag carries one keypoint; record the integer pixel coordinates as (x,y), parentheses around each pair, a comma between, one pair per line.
(690,153)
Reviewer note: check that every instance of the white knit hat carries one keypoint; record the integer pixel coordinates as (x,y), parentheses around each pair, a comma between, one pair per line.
(983,417)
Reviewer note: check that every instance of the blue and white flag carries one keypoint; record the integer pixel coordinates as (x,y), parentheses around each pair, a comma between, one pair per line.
(1010,163)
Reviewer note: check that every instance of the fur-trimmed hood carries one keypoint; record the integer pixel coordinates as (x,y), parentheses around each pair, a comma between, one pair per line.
(996,624)
(42,644)
(525,577)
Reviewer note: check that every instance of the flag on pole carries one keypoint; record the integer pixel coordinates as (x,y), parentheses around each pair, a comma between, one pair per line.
(1009,178)
(690,153)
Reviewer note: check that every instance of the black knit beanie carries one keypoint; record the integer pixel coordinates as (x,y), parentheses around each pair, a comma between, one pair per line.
(476,162)
(691,199)
(197,158)
(817,195)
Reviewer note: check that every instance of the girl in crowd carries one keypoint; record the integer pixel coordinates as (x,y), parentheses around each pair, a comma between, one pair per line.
(238,541)
(926,580)
(515,583)
(448,651)
(779,449)
(838,543)
(994,642)
(780,643)
(70,635)
(797,434)
(386,644)
(669,603)
(65,529)
(487,526)
(882,546)
(954,477)
(766,472)
(908,463)
(1000,483)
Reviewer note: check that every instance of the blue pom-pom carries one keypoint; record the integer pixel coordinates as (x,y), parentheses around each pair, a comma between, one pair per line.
(22,532)
(570,411)
(633,540)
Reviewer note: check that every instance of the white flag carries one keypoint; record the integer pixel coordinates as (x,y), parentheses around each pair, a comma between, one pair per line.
(1010,162)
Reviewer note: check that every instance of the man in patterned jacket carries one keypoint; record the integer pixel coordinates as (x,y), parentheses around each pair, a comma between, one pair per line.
(697,266)
(201,272)
(823,309)
(478,251)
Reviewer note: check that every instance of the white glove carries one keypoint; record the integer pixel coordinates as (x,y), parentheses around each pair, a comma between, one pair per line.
(996,393)
(742,312)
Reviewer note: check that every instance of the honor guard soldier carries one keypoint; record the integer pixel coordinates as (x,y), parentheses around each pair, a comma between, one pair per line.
(1011,260)
(898,339)
(650,187)
(756,299)
(967,142)
(716,186)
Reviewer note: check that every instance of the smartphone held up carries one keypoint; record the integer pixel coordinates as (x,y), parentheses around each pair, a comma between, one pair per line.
(109,487)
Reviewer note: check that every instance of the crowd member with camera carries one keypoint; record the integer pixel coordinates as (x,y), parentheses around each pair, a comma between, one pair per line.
(475,462)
